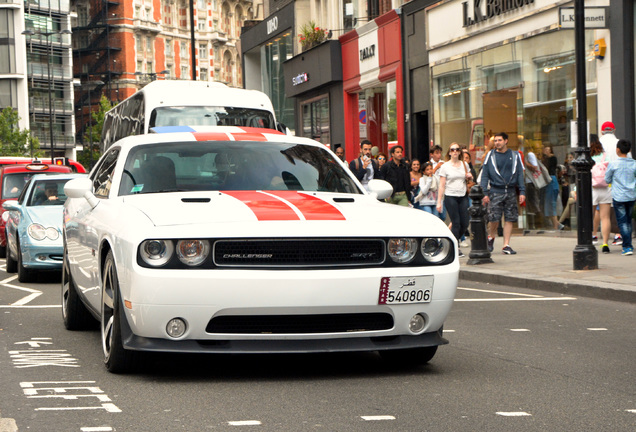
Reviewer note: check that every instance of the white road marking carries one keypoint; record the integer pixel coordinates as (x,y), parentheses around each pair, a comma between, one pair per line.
(519,330)
(97,429)
(244,423)
(597,329)
(499,292)
(109,407)
(378,417)
(516,299)
(449,331)
(29,306)
(513,414)
(631,411)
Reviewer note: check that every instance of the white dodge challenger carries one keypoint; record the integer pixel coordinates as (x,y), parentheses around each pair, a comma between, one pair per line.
(237,240)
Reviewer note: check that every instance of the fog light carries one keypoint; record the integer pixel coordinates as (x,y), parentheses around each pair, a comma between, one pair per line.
(41,258)
(176,327)
(417,323)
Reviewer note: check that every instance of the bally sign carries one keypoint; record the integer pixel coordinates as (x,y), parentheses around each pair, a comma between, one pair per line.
(367,53)
(484,10)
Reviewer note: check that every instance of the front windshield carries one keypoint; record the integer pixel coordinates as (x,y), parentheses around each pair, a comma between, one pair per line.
(47,192)
(211,116)
(13,184)
(232,165)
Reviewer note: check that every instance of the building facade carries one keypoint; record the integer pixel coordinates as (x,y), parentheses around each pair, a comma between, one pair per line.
(47,43)
(13,66)
(120,47)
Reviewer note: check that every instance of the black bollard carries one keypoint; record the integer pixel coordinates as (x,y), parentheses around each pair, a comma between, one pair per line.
(479,253)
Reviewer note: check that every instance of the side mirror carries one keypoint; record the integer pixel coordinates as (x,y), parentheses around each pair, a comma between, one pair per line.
(81,188)
(381,188)
(11,205)
(280,127)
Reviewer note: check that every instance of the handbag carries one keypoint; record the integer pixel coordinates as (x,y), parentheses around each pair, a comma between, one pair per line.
(469,183)
(544,172)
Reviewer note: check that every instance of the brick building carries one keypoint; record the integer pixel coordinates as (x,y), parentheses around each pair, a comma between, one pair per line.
(121,45)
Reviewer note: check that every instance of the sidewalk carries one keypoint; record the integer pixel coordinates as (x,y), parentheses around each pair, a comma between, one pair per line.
(545,262)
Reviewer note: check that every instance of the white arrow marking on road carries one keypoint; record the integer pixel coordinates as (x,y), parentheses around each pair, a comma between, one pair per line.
(34,344)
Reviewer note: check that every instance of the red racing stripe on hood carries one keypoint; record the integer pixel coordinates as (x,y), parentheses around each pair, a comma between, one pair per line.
(312,208)
(265,207)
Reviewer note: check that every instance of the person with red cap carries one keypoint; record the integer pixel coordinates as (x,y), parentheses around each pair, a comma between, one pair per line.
(609,140)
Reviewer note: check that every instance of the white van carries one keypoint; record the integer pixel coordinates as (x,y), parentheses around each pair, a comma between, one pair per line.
(187,103)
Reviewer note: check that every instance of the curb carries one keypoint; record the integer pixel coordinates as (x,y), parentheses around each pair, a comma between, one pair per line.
(602,291)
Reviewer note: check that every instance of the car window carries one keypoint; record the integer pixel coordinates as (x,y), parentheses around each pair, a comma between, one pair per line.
(233,165)
(13,184)
(47,192)
(103,176)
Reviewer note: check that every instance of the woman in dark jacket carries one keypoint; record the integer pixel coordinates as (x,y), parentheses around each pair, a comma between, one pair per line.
(551,190)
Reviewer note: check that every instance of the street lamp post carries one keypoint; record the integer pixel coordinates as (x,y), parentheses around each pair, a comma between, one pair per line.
(585,255)
(49,52)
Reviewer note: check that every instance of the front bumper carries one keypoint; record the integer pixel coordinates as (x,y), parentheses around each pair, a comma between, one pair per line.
(42,257)
(154,297)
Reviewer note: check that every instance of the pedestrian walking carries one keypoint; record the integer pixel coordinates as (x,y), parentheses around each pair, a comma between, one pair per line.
(365,167)
(426,199)
(396,172)
(453,192)
(501,175)
(601,194)
(621,174)
(416,175)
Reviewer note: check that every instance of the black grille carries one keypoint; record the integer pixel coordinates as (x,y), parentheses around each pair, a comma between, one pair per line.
(306,324)
(300,253)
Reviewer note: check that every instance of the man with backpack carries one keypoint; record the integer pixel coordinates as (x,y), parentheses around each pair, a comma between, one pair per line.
(501,175)
(365,167)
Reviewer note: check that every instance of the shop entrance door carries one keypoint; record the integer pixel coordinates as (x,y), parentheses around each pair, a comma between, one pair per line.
(501,114)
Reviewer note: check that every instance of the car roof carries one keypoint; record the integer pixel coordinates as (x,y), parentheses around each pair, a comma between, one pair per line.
(35,167)
(212,133)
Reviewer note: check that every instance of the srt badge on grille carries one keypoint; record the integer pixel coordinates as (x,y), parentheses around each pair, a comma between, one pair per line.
(362,255)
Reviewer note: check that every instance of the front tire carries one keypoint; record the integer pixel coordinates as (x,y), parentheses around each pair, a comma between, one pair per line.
(409,356)
(24,275)
(116,358)
(12,265)
(74,313)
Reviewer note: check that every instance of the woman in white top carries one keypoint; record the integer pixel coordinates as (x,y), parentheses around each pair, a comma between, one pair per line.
(452,191)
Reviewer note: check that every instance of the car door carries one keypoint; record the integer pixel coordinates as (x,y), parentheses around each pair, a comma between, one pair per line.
(86,227)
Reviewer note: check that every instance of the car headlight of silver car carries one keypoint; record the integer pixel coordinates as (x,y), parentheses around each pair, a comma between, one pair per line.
(156,253)
(39,232)
(193,252)
(436,250)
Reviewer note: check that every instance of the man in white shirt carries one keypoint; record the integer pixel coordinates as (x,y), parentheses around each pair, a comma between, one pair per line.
(609,140)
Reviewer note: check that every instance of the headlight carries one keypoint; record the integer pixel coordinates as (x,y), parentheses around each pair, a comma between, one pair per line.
(52,233)
(402,250)
(436,250)
(37,231)
(156,252)
(193,252)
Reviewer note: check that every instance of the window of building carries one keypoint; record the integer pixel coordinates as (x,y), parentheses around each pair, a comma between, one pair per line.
(7,42)
(138,12)
(315,119)
(8,93)
(201,25)
(140,66)
(149,45)
(273,79)
(169,52)
(183,50)
(201,4)
(148,14)
(203,51)
(139,45)
(203,74)
(184,72)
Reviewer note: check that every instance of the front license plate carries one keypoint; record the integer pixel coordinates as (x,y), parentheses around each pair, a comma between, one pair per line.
(404,290)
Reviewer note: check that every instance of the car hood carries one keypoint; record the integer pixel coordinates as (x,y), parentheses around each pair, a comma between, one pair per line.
(342,212)
(46,215)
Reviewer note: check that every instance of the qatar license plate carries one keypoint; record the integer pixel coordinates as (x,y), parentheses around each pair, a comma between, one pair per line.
(404,290)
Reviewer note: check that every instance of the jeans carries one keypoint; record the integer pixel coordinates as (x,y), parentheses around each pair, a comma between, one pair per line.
(623,212)
(457,208)
(430,209)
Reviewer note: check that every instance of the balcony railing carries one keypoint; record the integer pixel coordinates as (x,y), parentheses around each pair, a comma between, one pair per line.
(58,72)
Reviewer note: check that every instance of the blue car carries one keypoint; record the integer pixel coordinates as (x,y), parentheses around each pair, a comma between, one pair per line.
(34,226)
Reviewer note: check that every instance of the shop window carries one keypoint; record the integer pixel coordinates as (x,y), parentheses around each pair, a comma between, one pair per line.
(452,96)
(315,119)
(273,54)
